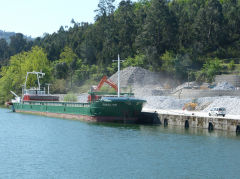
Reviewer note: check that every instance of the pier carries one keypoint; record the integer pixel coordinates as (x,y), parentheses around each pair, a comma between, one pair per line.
(192,119)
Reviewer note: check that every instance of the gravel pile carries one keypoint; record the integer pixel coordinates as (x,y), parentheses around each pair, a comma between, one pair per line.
(224,86)
(142,81)
(230,103)
(204,104)
(82,98)
(187,84)
(165,102)
(137,76)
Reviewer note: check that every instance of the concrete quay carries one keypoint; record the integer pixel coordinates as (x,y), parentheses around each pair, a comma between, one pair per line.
(192,119)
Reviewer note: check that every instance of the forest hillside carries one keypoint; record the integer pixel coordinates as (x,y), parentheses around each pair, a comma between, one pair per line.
(185,39)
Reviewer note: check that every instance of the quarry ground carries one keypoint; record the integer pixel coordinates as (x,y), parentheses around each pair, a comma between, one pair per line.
(164,94)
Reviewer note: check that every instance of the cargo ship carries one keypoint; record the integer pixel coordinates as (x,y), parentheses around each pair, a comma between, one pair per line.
(100,106)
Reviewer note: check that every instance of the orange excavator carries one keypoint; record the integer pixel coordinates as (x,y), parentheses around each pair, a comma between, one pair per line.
(94,97)
(109,82)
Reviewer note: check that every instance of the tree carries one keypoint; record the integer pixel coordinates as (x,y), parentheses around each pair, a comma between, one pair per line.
(13,76)
(231,11)
(126,30)
(209,26)
(138,61)
(67,63)
(17,44)
(87,48)
(209,70)
(159,30)
(4,50)
(168,59)
(61,70)
(185,12)
(105,8)
(53,44)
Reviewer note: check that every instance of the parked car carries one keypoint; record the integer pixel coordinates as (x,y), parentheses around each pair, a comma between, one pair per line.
(217,111)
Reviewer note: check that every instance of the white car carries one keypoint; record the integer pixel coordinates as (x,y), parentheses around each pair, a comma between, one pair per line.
(217,111)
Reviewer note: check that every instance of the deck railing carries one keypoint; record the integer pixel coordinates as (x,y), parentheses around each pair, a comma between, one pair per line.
(53,103)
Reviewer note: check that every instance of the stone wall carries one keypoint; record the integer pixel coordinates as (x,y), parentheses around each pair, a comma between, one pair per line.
(200,122)
(233,79)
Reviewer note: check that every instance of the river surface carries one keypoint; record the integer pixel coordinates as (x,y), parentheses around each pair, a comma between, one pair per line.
(41,147)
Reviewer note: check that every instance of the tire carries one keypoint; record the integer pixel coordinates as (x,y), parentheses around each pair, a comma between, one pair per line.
(223,115)
(209,114)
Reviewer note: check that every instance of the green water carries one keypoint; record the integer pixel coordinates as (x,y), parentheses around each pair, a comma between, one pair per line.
(41,147)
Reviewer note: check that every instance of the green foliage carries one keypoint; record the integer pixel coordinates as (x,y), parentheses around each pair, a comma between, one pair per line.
(96,72)
(13,76)
(107,89)
(210,69)
(66,64)
(176,37)
(81,74)
(138,60)
(59,86)
(86,85)
(111,69)
(70,97)
(124,17)
(67,56)
(4,50)
(61,70)
(17,43)
(168,64)
(208,26)
(159,29)
(231,65)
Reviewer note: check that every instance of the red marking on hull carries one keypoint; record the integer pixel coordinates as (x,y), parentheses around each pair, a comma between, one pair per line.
(115,119)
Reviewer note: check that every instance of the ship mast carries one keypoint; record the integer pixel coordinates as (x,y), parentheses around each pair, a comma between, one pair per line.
(118,60)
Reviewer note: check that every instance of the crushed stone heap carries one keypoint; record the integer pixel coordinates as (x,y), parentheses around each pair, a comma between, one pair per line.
(224,86)
(142,81)
(135,76)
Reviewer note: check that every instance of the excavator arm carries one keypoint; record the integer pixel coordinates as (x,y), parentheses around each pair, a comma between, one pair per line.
(94,97)
(109,82)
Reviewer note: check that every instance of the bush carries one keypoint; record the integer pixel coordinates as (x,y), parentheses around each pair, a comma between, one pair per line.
(210,69)
(231,65)
(107,89)
(70,98)
(59,86)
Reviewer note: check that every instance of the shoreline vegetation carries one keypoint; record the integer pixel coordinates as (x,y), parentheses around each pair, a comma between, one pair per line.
(187,40)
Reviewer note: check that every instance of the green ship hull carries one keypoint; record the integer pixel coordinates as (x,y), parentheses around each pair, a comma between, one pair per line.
(123,109)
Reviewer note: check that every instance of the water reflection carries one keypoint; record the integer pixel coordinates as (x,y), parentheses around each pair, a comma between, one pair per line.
(154,128)
(41,147)
(170,129)
(191,131)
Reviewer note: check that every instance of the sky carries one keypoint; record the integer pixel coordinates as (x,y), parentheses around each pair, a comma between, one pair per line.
(36,17)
